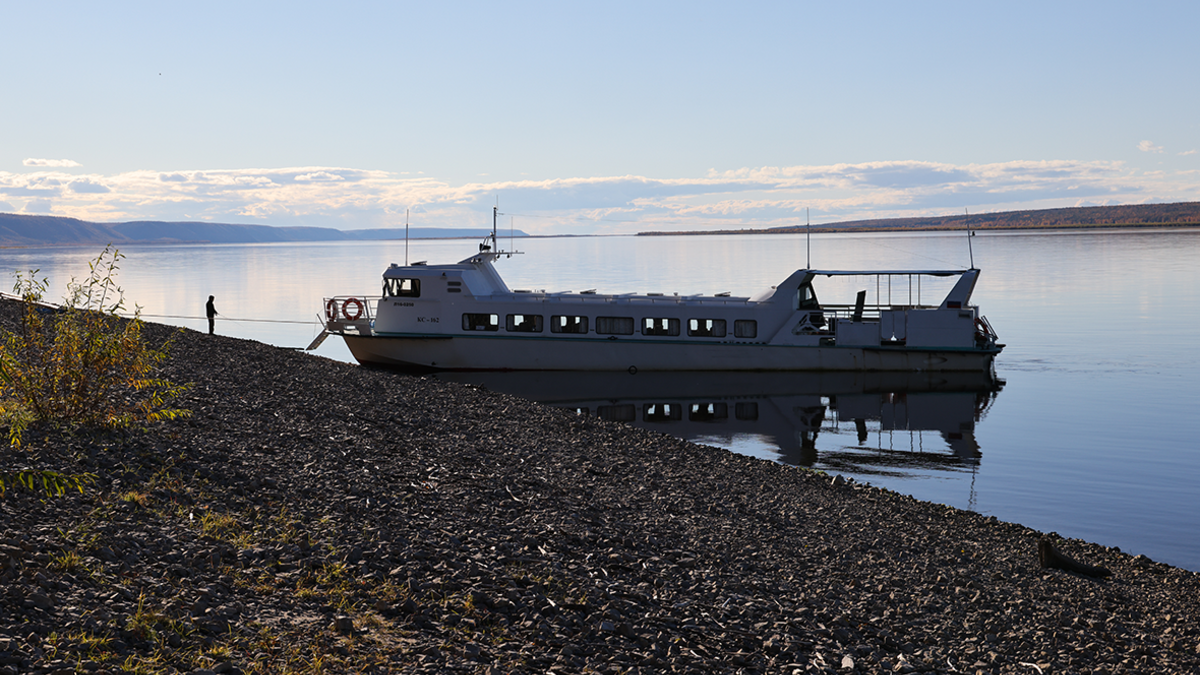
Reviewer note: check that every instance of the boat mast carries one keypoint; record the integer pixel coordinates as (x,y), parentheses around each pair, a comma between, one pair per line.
(406,237)
(970,248)
(494,248)
(807,239)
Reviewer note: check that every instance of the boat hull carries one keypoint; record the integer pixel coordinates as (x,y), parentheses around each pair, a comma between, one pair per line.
(631,355)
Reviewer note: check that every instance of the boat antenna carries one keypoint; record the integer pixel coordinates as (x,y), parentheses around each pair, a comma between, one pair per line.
(970,248)
(406,237)
(807,239)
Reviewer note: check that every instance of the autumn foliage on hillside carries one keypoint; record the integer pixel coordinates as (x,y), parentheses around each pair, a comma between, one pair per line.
(1184,214)
(1132,214)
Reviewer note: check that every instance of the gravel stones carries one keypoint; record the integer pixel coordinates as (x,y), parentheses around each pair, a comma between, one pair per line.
(311,511)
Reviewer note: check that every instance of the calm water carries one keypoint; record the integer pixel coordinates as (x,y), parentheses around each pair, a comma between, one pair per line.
(1093,435)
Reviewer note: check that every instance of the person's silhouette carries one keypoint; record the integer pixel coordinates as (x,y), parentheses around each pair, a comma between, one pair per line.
(211,311)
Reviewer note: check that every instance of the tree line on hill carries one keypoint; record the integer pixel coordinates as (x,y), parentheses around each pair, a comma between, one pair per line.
(1131,215)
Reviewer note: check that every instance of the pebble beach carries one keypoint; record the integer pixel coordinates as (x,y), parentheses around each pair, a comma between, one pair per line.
(312,516)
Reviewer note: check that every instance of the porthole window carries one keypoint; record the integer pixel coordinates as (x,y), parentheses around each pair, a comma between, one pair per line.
(523,323)
(746,328)
(476,322)
(614,325)
(568,324)
(665,327)
(706,328)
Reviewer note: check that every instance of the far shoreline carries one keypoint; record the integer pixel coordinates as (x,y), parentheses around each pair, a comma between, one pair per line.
(24,230)
(868,229)
(824,229)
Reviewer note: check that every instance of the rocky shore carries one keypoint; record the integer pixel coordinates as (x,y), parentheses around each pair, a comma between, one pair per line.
(313,516)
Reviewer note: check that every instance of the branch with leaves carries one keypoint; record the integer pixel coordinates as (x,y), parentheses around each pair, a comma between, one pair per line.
(81,364)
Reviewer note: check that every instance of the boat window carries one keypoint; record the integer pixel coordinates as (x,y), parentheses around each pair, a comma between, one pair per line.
(401,288)
(523,323)
(662,412)
(614,325)
(706,327)
(617,413)
(660,326)
(481,322)
(568,324)
(747,410)
(708,412)
(745,328)
(806,298)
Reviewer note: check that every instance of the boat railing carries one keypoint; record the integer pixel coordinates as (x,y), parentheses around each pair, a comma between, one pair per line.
(673,299)
(869,312)
(348,312)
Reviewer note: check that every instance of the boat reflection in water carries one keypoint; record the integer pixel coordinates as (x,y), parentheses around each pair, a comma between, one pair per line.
(874,423)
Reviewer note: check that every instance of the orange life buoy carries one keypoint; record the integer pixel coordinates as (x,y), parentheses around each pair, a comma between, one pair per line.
(358,309)
(331,309)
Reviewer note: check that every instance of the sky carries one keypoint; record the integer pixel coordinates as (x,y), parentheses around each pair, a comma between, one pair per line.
(593,117)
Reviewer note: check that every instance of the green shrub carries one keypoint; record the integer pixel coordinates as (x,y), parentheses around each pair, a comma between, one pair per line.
(81,365)
(51,483)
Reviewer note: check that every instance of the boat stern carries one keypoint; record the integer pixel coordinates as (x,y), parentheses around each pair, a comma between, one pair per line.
(348,314)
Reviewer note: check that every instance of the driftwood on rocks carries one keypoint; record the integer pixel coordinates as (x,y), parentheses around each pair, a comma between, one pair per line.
(1048,556)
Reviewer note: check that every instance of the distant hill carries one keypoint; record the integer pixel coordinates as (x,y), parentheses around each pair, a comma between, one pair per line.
(25,230)
(1132,215)
(19,229)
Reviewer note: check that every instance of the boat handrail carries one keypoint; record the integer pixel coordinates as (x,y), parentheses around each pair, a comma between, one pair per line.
(889,273)
(875,312)
(336,311)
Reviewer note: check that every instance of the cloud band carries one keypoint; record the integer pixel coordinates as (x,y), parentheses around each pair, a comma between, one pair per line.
(746,197)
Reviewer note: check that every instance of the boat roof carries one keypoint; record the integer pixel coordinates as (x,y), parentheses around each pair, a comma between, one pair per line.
(474,260)
(848,273)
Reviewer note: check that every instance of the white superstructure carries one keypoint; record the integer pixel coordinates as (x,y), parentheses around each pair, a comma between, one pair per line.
(463,316)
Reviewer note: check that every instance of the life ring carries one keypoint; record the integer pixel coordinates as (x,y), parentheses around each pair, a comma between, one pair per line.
(358,309)
(982,334)
(331,309)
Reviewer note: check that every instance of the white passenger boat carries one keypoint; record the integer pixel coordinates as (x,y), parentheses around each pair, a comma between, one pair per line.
(462,316)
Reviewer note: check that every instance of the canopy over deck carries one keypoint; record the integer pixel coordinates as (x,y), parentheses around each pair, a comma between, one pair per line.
(865,273)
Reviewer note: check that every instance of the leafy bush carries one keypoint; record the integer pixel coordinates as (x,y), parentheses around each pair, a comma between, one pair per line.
(81,365)
(50,482)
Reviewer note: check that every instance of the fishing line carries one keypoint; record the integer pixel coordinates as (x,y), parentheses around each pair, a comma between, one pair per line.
(223,318)
(130,315)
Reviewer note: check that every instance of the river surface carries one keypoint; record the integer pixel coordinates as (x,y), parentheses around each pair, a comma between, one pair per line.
(1095,432)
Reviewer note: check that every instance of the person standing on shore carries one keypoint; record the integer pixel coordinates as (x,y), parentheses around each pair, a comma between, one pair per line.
(211,311)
